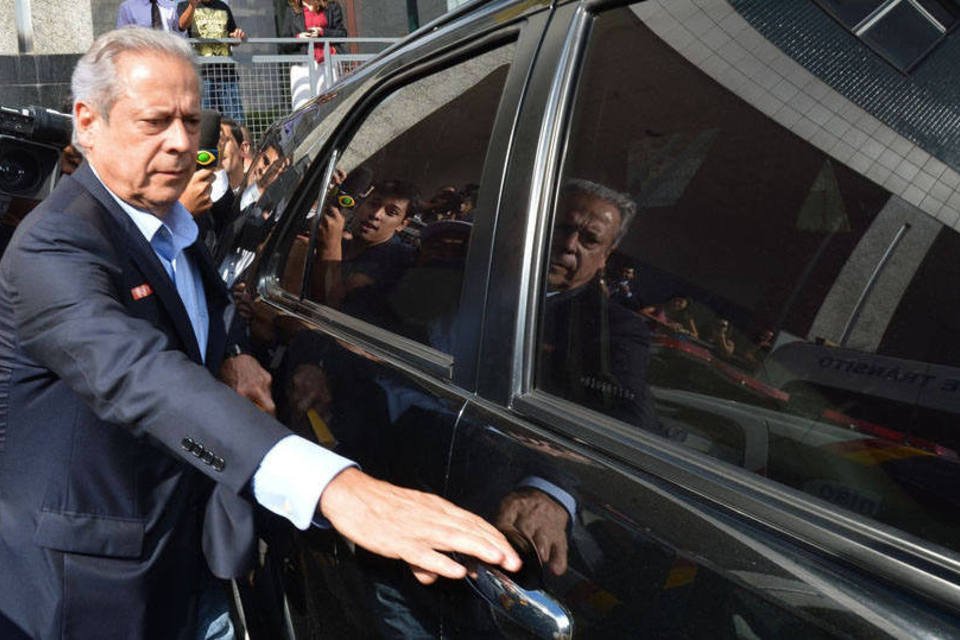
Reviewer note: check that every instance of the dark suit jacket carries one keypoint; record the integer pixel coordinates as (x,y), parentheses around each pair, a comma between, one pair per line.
(294,23)
(595,352)
(112,432)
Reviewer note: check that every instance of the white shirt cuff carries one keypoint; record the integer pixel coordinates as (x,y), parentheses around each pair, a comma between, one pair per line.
(292,476)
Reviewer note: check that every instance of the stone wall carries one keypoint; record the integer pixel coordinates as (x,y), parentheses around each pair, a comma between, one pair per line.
(8,29)
(36,80)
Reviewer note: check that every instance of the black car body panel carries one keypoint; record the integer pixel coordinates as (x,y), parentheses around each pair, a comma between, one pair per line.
(750,434)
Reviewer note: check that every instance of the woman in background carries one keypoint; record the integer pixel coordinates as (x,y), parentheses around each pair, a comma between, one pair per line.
(311,19)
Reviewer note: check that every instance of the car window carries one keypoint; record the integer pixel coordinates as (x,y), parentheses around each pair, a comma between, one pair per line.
(717,280)
(391,235)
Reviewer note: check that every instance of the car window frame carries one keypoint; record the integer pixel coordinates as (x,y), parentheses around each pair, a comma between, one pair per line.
(870,546)
(460,43)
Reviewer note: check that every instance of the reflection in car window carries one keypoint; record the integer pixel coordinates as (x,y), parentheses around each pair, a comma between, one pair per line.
(392,234)
(766,305)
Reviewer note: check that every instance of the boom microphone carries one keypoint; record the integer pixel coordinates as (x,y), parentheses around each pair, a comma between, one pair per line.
(208,155)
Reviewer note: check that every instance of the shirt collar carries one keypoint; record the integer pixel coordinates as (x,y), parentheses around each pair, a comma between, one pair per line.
(181,225)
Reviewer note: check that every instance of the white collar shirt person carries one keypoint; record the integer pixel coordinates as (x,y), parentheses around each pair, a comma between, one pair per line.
(127,469)
(141,13)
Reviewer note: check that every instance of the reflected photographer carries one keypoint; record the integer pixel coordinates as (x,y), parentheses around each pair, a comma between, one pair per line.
(35,149)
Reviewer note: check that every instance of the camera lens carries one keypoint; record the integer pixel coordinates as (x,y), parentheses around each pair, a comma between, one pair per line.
(20,171)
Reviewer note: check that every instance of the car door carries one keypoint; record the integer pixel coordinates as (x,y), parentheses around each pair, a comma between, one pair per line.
(371,350)
(748,439)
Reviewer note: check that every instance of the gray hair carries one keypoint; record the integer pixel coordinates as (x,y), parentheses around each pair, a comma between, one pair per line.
(622,201)
(95,80)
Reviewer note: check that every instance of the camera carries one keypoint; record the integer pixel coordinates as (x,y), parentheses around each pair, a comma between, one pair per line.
(31,140)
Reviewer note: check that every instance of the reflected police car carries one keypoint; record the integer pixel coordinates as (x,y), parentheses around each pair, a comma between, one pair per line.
(742,465)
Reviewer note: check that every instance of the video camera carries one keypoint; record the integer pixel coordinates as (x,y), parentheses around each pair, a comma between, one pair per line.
(31,140)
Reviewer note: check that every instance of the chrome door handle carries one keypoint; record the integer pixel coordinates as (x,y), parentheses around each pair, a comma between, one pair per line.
(531,609)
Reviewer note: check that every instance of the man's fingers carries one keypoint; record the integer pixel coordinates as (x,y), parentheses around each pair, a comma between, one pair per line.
(412,526)
(432,565)
(423,576)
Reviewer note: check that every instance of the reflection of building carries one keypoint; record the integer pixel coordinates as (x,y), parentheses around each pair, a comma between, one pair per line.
(40,40)
(853,235)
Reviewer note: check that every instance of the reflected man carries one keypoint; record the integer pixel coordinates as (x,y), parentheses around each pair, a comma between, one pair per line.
(593,351)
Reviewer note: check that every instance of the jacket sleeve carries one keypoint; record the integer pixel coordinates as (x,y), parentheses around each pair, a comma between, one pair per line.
(61,278)
(289,29)
(335,27)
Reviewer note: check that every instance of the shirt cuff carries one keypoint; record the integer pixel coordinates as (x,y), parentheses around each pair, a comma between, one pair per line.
(292,476)
(567,501)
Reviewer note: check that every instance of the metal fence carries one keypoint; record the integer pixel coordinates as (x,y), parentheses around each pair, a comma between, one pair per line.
(257,84)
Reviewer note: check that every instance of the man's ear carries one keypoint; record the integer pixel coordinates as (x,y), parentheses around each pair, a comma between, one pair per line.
(85,119)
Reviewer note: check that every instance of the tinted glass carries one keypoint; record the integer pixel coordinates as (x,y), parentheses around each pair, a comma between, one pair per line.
(851,12)
(717,280)
(903,35)
(943,11)
(393,236)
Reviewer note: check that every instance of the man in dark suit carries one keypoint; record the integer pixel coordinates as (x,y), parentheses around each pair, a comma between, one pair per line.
(126,468)
(593,351)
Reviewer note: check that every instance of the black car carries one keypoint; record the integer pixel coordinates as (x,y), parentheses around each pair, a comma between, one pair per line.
(664,290)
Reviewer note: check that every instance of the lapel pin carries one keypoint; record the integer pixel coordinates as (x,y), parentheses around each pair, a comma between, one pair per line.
(141,291)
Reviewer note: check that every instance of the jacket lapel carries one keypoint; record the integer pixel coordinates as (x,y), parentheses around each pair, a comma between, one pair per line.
(129,238)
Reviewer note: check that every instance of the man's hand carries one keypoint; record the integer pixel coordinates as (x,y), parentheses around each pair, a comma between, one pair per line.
(411,526)
(196,197)
(238,33)
(330,232)
(245,376)
(541,520)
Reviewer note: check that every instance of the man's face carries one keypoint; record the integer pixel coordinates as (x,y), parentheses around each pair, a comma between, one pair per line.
(379,217)
(145,149)
(230,158)
(582,240)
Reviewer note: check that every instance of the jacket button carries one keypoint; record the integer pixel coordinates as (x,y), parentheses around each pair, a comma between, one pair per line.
(188,444)
(207,457)
(218,464)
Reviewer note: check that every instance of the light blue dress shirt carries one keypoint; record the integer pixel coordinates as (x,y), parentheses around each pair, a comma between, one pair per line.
(137,12)
(294,473)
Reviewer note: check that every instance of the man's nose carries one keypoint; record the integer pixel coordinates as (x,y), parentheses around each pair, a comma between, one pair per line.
(377,213)
(570,242)
(178,138)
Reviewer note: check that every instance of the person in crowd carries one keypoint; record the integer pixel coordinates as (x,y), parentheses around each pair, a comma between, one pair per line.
(675,314)
(311,19)
(153,14)
(231,153)
(623,291)
(214,19)
(761,348)
(443,205)
(70,159)
(197,197)
(721,339)
(468,202)
(128,470)
(368,264)
(592,352)
(246,147)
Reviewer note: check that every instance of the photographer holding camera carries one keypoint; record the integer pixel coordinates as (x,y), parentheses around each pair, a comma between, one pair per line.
(34,150)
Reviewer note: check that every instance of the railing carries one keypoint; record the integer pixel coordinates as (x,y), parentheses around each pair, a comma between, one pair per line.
(256,85)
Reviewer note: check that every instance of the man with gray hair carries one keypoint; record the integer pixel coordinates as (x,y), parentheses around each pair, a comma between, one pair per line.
(127,469)
(593,351)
